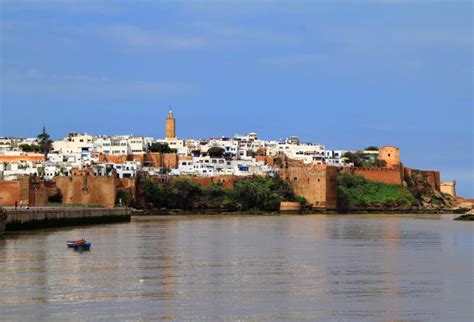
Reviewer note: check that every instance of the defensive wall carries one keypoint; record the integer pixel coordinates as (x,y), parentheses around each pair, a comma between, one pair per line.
(391,156)
(24,191)
(88,190)
(226,181)
(430,176)
(152,159)
(449,188)
(161,160)
(288,206)
(316,183)
(55,217)
(107,158)
(384,175)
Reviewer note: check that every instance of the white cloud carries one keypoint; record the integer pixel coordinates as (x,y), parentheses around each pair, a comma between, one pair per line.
(134,36)
(33,84)
(297,59)
(219,33)
(65,6)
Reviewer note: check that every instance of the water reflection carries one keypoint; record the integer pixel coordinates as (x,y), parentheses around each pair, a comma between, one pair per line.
(240,267)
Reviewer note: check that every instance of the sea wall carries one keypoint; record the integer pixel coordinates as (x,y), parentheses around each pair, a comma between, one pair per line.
(56,217)
(288,206)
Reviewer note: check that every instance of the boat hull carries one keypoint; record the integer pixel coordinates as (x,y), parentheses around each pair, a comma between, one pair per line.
(86,246)
(78,245)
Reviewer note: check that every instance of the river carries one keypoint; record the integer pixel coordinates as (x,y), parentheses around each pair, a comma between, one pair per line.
(314,267)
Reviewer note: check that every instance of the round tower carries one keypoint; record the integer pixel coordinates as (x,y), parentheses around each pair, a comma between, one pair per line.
(391,156)
(170,128)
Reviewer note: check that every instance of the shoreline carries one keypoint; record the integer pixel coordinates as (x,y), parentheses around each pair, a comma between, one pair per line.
(214,212)
(62,217)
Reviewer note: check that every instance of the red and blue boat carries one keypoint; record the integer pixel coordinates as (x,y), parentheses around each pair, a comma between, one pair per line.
(79,244)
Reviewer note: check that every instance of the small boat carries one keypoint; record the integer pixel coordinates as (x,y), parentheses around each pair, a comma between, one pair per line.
(80,244)
(3,220)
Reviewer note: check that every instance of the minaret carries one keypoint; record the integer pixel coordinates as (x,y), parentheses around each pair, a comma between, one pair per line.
(170,131)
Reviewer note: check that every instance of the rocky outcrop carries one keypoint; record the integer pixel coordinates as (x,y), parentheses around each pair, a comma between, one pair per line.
(427,193)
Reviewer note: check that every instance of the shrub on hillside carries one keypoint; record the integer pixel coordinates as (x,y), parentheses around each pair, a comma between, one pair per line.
(355,192)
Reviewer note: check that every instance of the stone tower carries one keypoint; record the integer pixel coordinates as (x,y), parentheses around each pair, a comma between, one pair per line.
(170,130)
(391,155)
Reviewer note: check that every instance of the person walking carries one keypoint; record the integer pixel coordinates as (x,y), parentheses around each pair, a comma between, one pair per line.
(16,204)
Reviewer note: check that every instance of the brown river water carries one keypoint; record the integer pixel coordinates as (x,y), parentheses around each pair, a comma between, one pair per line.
(315,267)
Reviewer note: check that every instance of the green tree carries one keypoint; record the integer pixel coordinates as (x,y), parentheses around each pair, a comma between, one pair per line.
(155,194)
(371,148)
(164,170)
(124,198)
(30,148)
(356,192)
(44,142)
(184,194)
(216,152)
(355,158)
(161,148)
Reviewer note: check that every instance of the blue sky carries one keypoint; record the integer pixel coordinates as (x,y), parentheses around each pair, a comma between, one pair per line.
(346,74)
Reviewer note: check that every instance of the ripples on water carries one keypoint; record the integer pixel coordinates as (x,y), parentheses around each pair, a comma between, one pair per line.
(241,267)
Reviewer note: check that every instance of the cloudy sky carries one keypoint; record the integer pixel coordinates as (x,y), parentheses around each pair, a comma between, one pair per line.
(343,73)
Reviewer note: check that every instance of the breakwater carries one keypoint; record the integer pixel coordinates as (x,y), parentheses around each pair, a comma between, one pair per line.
(57,217)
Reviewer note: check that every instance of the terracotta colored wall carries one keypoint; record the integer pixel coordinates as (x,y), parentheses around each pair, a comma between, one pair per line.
(290,206)
(331,187)
(384,175)
(269,159)
(128,184)
(316,183)
(23,190)
(38,193)
(158,160)
(391,155)
(20,158)
(136,157)
(107,158)
(226,181)
(83,172)
(432,177)
(87,190)
(10,192)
